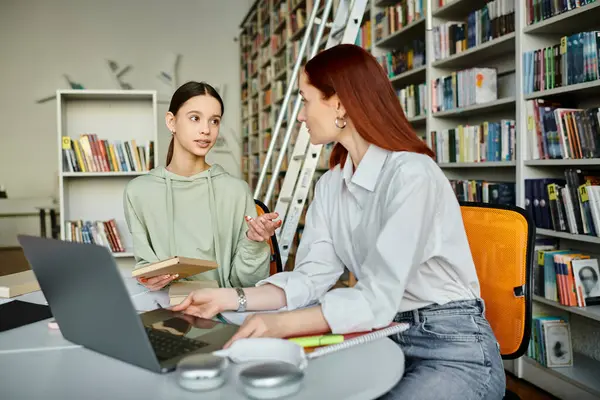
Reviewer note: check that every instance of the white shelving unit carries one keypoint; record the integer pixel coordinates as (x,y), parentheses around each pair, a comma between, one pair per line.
(505,54)
(582,381)
(497,53)
(113,115)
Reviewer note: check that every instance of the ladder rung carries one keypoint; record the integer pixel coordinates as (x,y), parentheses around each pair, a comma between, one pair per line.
(319,21)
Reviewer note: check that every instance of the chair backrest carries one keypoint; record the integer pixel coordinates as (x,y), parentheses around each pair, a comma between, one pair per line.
(501,239)
(275,265)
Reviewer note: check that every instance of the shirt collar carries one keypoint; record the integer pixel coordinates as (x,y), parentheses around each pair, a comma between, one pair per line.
(368,169)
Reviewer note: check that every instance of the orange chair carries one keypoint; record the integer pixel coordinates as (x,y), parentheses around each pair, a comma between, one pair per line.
(275,265)
(501,239)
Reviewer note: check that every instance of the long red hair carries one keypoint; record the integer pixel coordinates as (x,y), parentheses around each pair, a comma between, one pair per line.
(368,96)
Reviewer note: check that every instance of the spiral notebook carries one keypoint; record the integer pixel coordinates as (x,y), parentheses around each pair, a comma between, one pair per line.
(353,339)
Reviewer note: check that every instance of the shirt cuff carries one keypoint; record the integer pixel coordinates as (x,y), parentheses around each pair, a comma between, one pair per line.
(347,311)
(254,246)
(297,291)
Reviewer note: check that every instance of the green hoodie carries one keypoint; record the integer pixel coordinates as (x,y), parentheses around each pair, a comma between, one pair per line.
(200,216)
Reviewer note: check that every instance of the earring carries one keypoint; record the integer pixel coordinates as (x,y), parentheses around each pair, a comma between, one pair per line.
(339,121)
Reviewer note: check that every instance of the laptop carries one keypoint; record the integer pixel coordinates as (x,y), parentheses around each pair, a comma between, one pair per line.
(89,300)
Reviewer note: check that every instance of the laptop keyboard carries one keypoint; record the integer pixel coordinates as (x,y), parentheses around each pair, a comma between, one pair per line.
(167,345)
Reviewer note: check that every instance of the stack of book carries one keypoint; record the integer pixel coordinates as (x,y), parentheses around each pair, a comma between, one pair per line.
(90,154)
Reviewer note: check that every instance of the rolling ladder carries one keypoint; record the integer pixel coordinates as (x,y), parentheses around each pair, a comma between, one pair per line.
(305,156)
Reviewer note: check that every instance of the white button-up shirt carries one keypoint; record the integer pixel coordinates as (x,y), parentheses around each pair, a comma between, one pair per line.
(395,223)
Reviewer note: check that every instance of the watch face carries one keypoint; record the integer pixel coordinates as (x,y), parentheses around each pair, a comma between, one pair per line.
(241,299)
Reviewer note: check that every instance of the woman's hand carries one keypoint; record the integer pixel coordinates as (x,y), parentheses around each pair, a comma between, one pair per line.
(157,282)
(206,303)
(261,325)
(307,321)
(262,227)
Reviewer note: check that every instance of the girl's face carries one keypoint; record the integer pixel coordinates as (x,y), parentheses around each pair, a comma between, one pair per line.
(196,124)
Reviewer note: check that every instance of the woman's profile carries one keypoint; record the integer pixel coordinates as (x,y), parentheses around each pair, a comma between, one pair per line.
(192,209)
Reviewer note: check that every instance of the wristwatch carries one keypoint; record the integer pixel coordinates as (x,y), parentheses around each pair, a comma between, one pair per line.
(241,299)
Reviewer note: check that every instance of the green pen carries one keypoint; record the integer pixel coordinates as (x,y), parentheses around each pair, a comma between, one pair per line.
(321,340)
(221,319)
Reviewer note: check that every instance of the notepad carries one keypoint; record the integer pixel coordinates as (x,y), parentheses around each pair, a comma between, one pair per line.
(354,339)
(178,291)
(184,266)
(17,284)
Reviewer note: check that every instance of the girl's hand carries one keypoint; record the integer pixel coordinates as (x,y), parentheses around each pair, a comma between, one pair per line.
(260,325)
(206,303)
(262,227)
(157,282)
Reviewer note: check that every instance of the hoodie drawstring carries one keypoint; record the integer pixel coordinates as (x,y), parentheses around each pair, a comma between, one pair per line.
(213,217)
(171,214)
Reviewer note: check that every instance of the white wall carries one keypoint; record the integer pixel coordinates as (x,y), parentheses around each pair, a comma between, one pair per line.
(41,40)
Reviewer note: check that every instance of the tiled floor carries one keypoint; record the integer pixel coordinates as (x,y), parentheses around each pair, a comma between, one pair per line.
(525,390)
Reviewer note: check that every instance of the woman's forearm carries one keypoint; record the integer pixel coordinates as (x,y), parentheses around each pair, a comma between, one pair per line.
(261,298)
(265,297)
(306,321)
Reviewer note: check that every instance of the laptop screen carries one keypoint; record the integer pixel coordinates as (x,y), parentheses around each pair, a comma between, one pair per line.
(188,326)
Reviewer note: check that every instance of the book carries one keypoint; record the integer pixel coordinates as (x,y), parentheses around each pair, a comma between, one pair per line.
(103,233)
(557,343)
(89,153)
(570,204)
(17,284)
(471,143)
(184,266)
(464,88)
(357,338)
(551,344)
(178,291)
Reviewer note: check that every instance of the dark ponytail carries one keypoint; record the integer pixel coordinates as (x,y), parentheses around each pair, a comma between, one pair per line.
(183,94)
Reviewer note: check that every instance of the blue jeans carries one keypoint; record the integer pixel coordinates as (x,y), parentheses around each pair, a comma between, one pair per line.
(451,353)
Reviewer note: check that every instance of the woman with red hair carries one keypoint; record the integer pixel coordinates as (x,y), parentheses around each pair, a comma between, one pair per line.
(386,212)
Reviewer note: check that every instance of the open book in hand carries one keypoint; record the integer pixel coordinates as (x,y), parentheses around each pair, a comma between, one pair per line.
(184,266)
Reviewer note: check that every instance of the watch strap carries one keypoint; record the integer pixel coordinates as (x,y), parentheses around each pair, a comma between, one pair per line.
(241,299)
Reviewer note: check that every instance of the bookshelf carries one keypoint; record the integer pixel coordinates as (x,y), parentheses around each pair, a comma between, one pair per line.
(105,138)
(543,162)
(471,72)
(484,134)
